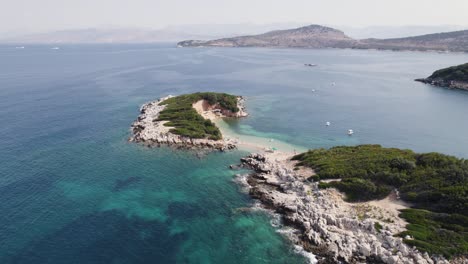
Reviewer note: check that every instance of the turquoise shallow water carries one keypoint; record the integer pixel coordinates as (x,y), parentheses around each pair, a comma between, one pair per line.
(74,191)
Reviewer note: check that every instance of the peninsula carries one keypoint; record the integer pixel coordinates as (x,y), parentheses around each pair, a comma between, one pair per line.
(368,204)
(186,121)
(317,36)
(455,77)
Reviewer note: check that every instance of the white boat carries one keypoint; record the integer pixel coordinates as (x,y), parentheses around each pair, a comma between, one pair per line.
(55,48)
(21,47)
(328,123)
(313,90)
(333,84)
(350,132)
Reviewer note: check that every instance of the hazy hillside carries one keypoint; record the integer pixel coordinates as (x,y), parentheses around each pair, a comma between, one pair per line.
(313,36)
(316,36)
(449,41)
(386,32)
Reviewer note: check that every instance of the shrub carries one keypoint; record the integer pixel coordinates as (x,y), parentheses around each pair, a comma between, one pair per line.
(378,226)
(436,233)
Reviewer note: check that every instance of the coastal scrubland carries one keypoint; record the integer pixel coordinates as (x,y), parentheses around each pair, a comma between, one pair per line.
(455,77)
(435,184)
(185,120)
(455,73)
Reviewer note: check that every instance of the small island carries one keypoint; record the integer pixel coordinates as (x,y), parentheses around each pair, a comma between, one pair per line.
(186,121)
(455,77)
(368,204)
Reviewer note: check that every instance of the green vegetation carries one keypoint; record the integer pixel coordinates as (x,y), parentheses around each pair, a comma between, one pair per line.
(436,233)
(455,73)
(187,122)
(430,181)
(357,189)
(378,226)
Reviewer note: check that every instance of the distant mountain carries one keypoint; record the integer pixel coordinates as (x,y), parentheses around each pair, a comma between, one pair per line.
(455,77)
(449,41)
(93,35)
(316,36)
(313,36)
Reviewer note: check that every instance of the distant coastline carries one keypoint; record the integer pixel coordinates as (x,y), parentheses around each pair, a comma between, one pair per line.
(317,36)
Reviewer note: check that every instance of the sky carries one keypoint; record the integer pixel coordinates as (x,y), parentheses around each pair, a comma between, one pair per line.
(50,15)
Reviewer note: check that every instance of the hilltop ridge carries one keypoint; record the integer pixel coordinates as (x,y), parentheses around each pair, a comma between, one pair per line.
(312,36)
(317,36)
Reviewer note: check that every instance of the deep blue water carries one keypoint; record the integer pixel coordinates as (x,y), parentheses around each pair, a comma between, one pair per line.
(72,189)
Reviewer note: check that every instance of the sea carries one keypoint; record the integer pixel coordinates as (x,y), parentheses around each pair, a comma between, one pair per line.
(74,190)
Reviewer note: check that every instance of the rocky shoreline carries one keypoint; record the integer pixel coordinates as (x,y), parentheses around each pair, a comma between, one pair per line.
(153,133)
(444,83)
(334,230)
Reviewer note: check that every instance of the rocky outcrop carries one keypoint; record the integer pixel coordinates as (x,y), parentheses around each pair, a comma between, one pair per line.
(327,226)
(455,77)
(445,83)
(147,130)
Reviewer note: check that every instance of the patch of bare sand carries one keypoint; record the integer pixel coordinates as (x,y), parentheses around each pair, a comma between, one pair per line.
(203,108)
(284,158)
